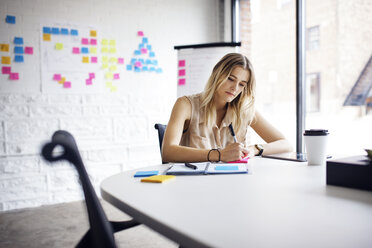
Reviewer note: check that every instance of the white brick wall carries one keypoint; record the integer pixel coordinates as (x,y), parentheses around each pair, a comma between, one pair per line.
(114,131)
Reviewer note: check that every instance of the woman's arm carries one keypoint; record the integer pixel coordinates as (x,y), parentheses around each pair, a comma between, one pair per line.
(276,142)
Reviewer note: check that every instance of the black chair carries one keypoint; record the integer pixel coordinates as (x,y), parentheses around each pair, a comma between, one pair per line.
(161,130)
(101,232)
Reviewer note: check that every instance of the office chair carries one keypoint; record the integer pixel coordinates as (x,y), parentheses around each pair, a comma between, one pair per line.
(101,232)
(161,130)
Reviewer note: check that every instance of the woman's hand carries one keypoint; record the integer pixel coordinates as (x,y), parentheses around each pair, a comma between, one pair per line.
(234,151)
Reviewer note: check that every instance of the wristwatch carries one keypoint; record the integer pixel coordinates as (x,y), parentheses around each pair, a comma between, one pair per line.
(260,149)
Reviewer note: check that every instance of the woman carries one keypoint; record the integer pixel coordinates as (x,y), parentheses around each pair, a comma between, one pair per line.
(198,129)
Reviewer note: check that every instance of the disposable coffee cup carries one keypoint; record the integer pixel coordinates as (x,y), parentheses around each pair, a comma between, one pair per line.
(316,141)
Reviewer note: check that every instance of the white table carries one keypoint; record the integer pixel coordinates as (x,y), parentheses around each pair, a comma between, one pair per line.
(280,204)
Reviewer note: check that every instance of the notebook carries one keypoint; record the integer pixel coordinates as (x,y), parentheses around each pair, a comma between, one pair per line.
(207,168)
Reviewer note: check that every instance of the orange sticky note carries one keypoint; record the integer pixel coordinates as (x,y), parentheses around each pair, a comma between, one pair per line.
(93,33)
(85,59)
(157,179)
(5,60)
(62,81)
(4,47)
(47,37)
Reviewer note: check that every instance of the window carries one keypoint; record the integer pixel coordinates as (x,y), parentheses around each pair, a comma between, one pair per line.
(313,38)
(312,92)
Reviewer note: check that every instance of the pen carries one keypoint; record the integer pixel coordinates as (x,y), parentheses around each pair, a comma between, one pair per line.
(194,167)
(232,132)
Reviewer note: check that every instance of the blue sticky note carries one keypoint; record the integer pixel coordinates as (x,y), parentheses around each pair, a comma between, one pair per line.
(142,61)
(18,58)
(137,52)
(74,32)
(144,68)
(141,45)
(18,49)
(144,40)
(152,54)
(149,47)
(146,173)
(64,31)
(10,19)
(159,70)
(129,67)
(136,69)
(132,61)
(155,62)
(18,40)
(84,50)
(47,30)
(148,61)
(55,30)
(152,69)
(226,167)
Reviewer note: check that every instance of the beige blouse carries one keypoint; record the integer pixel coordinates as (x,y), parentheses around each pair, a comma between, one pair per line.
(198,135)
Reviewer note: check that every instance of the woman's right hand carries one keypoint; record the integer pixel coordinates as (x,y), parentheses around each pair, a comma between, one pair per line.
(233,151)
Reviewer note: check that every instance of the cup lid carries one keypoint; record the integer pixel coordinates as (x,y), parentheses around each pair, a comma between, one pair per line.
(316,132)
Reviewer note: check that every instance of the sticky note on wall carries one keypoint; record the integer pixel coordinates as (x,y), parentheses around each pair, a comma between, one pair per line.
(181,63)
(5,70)
(10,19)
(29,50)
(181,72)
(14,76)
(5,60)
(47,37)
(18,40)
(4,47)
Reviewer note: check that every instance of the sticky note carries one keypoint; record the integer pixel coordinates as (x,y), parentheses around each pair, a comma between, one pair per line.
(75,50)
(148,61)
(242,160)
(141,46)
(158,178)
(155,62)
(46,37)
(29,50)
(104,42)
(137,69)
(74,32)
(149,47)
(88,81)
(226,167)
(93,59)
(18,49)
(10,19)
(67,85)
(112,50)
(55,30)
(143,50)
(64,31)
(120,60)
(104,50)
(181,72)
(137,52)
(93,41)
(133,60)
(108,75)
(112,43)
(113,60)
(92,75)
(113,68)
(104,66)
(105,59)
(114,89)
(152,54)
(63,79)
(4,47)
(159,70)
(85,59)
(181,63)
(14,76)
(140,33)
(84,41)
(129,67)
(137,64)
(18,40)
(93,33)
(144,68)
(18,58)
(5,70)
(144,40)
(85,50)
(152,68)
(59,46)
(181,81)
(116,76)
(109,84)
(93,50)
(146,173)
(47,30)
(57,77)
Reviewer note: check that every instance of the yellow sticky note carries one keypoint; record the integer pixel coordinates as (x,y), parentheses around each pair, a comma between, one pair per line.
(105,59)
(63,79)
(104,50)
(59,46)
(85,59)
(93,33)
(93,50)
(104,66)
(112,50)
(109,75)
(113,68)
(104,42)
(112,42)
(157,179)
(4,47)
(109,84)
(6,60)
(47,37)
(113,60)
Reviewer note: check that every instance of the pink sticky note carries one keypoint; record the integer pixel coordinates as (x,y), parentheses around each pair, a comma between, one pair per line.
(242,160)
(85,41)
(181,72)
(93,41)
(116,76)
(137,64)
(93,59)
(143,50)
(181,81)
(120,61)
(29,50)
(92,75)
(75,50)
(57,77)
(88,81)
(14,76)
(67,85)
(181,63)
(6,70)
(140,33)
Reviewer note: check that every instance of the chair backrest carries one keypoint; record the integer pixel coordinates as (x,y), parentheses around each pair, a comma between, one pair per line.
(161,130)
(102,233)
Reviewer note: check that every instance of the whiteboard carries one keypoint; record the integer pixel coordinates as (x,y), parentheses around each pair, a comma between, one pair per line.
(195,64)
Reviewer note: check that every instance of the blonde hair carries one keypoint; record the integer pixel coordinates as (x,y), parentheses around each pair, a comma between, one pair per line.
(243,104)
